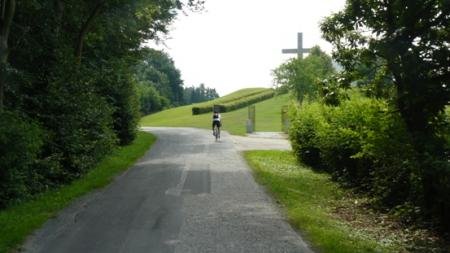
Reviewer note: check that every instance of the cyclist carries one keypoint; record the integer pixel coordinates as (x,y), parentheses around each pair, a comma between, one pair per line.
(216,120)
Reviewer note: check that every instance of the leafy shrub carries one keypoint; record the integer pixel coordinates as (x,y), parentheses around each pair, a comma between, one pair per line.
(364,144)
(200,110)
(305,122)
(126,112)
(20,143)
(79,125)
(149,99)
(118,88)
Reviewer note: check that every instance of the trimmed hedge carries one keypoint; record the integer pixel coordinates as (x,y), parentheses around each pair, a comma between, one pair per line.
(235,103)
(365,145)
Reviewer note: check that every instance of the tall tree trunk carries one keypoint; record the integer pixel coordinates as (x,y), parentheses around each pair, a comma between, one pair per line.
(7,13)
(59,9)
(85,29)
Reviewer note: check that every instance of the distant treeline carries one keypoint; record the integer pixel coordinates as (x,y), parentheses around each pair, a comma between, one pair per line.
(68,76)
(199,94)
(160,86)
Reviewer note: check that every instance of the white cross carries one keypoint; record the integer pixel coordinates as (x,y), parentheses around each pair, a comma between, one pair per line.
(299,50)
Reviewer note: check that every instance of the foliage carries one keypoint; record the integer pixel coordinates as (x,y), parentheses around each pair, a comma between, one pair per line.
(160,85)
(158,69)
(80,126)
(399,50)
(70,74)
(21,219)
(149,99)
(20,142)
(406,42)
(302,75)
(236,103)
(118,87)
(198,94)
(365,145)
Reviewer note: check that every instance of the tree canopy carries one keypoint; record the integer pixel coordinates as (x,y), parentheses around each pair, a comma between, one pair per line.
(158,70)
(406,42)
(67,81)
(400,50)
(302,75)
(199,94)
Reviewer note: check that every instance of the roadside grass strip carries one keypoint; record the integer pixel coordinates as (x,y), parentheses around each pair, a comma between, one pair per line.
(20,220)
(309,199)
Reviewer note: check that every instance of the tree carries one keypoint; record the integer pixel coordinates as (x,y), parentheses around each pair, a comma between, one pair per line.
(70,77)
(158,69)
(7,8)
(150,99)
(409,41)
(405,45)
(301,75)
(199,94)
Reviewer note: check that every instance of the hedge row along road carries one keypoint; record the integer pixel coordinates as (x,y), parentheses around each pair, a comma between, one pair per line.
(188,194)
(233,101)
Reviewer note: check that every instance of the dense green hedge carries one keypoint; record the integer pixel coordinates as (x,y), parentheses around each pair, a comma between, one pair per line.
(72,128)
(66,105)
(365,145)
(20,143)
(236,103)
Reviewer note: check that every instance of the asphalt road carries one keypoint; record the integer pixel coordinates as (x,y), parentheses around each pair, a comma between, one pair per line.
(188,194)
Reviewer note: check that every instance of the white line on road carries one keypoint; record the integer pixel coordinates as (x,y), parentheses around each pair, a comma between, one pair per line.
(179,188)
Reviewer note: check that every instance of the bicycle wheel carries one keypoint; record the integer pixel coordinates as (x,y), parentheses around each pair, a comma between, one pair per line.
(216,132)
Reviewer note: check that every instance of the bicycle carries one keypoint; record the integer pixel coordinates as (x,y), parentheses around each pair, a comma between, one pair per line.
(216,132)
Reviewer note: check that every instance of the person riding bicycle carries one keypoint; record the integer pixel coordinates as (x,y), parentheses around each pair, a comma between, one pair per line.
(216,120)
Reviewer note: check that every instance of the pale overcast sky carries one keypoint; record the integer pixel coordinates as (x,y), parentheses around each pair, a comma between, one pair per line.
(235,44)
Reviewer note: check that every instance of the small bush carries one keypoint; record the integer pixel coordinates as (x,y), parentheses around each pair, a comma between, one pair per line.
(196,110)
(305,123)
(20,143)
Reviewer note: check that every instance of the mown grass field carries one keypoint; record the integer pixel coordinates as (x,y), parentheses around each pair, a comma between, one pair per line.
(268,116)
(310,199)
(18,221)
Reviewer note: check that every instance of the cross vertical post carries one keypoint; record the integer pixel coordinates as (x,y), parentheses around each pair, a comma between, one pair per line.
(300,45)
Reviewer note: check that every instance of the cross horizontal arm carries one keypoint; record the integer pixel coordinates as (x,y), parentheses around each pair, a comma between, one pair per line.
(289,51)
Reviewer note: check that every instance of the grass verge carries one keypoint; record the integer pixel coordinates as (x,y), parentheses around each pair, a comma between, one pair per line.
(311,200)
(18,221)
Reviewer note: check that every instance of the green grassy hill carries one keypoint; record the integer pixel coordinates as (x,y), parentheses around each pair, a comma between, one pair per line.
(268,115)
(232,96)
